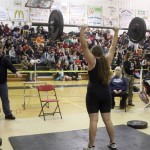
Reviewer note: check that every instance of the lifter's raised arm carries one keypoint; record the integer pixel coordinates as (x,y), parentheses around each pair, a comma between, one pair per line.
(111,51)
(87,54)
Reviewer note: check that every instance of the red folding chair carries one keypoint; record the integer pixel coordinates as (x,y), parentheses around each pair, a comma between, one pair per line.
(45,102)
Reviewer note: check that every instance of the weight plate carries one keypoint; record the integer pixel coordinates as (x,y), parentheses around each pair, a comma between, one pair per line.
(136,124)
(137,30)
(56,30)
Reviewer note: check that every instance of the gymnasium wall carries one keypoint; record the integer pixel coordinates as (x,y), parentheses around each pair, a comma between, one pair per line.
(109,12)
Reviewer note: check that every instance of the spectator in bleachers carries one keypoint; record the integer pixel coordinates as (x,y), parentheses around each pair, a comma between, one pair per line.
(12,26)
(25,47)
(51,60)
(1,31)
(31,31)
(29,52)
(59,76)
(20,53)
(40,40)
(5,50)
(59,65)
(50,43)
(124,39)
(20,26)
(105,49)
(12,55)
(31,67)
(147,76)
(25,30)
(17,35)
(6,30)
(84,64)
(67,75)
(44,57)
(25,63)
(74,75)
(8,42)
(2,25)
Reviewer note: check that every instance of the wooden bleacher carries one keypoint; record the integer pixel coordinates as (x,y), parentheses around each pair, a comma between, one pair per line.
(25,76)
(17,66)
(11,77)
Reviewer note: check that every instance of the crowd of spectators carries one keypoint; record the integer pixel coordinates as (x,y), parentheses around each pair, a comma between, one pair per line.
(22,43)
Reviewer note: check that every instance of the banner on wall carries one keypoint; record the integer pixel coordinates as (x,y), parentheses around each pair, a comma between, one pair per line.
(39,15)
(77,14)
(18,15)
(125,17)
(45,4)
(110,21)
(94,15)
(3,14)
(64,10)
(111,11)
(63,7)
(142,14)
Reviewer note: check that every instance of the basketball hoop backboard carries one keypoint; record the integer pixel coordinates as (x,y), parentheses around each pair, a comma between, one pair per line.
(45,4)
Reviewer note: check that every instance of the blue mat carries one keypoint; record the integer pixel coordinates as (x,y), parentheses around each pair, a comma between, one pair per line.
(126,138)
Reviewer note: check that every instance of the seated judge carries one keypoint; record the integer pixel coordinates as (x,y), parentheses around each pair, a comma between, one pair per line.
(118,86)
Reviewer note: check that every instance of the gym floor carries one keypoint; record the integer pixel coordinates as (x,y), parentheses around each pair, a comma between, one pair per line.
(72,103)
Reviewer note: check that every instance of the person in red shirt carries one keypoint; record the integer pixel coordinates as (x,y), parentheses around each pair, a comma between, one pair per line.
(25,47)
(6,30)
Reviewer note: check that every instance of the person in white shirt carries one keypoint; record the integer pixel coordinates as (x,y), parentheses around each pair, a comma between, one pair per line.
(12,52)
(13,25)
(12,55)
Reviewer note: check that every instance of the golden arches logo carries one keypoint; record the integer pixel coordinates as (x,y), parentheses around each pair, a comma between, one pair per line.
(19,14)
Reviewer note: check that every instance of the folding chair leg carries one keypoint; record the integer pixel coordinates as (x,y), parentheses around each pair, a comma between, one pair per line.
(55,110)
(59,111)
(148,106)
(42,111)
(47,105)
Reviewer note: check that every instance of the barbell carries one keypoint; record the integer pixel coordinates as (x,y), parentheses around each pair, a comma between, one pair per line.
(136,30)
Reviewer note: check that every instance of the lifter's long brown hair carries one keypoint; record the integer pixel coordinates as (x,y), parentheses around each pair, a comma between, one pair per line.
(104,68)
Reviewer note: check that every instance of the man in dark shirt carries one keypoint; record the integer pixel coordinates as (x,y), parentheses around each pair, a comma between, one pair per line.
(4,65)
(129,69)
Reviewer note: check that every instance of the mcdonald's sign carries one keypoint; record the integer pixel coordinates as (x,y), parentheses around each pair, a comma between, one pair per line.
(19,14)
